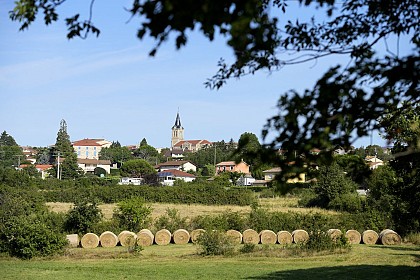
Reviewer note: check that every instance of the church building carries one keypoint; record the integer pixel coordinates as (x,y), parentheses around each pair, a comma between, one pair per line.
(179,144)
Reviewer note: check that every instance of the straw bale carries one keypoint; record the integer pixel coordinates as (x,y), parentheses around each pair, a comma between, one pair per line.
(89,241)
(389,237)
(163,237)
(127,238)
(181,236)
(73,240)
(334,233)
(195,234)
(268,237)
(145,238)
(251,236)
(370,237)
(108,239)
(353,236)
(284,237)
(235,235)
(300,236)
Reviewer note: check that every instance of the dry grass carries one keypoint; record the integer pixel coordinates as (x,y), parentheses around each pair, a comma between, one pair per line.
(278,204)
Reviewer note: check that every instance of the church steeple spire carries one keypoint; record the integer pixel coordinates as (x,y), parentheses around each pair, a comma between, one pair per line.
(177,131)
(177,122)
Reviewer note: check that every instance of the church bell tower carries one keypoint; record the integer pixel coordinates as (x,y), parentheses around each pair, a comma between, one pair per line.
(177,131)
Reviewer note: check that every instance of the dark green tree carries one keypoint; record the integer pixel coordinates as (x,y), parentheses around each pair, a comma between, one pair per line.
(334,190)
(143,142)
(147,153)
(115,153)
(355,167)
(10,152)
(7,140)
(137,168)
(63,148)
(403,129)
(82,217)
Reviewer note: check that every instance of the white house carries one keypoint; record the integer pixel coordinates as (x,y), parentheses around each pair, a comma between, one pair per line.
(168,177)
(89,165)
(182,165)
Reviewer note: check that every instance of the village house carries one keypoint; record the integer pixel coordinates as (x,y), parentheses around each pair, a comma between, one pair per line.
(90,148)
(89,165)
(182,165)
(41,168)
(231,166)
(169,176)
(270,175)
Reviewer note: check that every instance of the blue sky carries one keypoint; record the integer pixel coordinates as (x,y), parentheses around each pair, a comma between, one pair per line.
(108,87)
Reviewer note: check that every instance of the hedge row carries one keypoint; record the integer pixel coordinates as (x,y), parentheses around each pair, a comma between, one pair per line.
(204,193)
(260,219)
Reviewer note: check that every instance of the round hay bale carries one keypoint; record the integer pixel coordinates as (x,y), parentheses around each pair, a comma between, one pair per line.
(108,239)
(122,233)
(268,237)
(353,236)
(89,241)
(389,237)
(334,233)
(145,238)
(370,237)
(73,240)
(127,238)
(163,237)
(250,236)
(235,235)
(284,237)
(300,236)
(195,234)
(181,236)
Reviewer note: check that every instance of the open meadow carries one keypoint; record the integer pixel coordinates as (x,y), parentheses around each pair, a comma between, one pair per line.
(183,262)
(281,204)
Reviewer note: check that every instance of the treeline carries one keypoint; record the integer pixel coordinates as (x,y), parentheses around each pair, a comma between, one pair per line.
(197,193)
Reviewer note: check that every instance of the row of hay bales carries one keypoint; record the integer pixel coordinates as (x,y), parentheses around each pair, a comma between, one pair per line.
(181,236)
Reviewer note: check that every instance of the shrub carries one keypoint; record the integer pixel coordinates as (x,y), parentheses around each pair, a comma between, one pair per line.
(29,237)
(215,242)
(321,241)
(247,248)
(82,217)
(171,221)
(133,214)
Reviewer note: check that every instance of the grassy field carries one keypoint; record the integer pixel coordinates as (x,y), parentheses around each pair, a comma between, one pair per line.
(282,204)
(183,262)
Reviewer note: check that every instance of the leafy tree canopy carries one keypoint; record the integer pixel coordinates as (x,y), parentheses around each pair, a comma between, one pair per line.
(137,168)
(346,101)
(115,153)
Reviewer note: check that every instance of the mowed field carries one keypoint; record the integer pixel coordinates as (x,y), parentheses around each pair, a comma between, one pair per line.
(183,262)
(192,210)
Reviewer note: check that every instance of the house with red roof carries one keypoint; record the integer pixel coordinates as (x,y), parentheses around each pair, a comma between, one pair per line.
(90,148)
(231,166)
(169,176)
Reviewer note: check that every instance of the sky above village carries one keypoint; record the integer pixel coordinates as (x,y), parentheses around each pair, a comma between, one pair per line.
(108,87)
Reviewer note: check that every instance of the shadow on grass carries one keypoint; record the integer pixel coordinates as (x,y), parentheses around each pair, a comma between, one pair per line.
(398,248)
(370,272)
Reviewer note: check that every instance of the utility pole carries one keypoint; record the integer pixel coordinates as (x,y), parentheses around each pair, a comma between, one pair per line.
(18,156)
(58,166)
